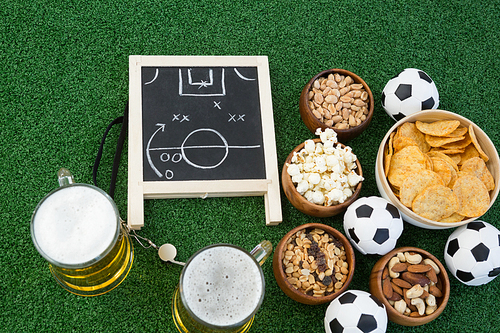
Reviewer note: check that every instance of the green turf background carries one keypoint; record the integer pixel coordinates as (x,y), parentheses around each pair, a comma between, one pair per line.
(64,77)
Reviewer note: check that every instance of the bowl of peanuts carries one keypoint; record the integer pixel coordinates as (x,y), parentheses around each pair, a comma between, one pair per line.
(438,168)
(322,177)
(338,99)
(313,263)
(412,284)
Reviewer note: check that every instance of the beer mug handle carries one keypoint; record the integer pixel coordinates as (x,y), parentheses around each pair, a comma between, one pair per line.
(262,251)
(65,177)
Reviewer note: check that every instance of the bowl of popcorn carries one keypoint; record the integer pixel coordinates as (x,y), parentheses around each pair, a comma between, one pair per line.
(313,263)
(412,284)
(337,99)
(438,168)
(322,177)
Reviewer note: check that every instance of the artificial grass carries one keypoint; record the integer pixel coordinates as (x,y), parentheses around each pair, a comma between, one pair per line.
(64,77)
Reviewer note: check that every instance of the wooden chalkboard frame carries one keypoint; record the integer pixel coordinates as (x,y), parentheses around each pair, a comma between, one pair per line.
(139,190)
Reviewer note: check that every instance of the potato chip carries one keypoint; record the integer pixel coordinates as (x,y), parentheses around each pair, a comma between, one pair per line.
(455,217)
(461,144)
(454,157)
(444,157)
(438,128)
(388,152)
(409,130)
(443,169)
(476,144)
(403,141)
(460,131)
(469,152)
(439,141)
(435,203)
(415,183)
(478,168)
(404,162)
(472,195)
(447,151)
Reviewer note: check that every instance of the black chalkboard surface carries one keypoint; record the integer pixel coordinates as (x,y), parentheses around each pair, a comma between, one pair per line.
(201,123)
(201,126)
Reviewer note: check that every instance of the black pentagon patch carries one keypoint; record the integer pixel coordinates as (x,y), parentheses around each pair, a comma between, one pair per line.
(476,225)
(367,323)
(347,298)
(428,104)
(399,116)
(383,99)
(381,236)
(376,300)
(353,235)
(498,239)
(335,326)
(364,211)
(403,91)
(392,210)
(424,76)
(464,276)
(480,252)
(494,272)
(453,247)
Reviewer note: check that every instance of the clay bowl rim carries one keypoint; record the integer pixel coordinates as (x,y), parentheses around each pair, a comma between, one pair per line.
(322,211)
(432,115)
(375,286)
(343,134)
(279,274)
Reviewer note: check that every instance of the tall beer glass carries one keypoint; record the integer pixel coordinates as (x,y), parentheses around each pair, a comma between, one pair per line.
(77,229)
(221,288)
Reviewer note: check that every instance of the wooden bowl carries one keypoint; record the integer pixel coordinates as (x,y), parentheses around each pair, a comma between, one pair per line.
(429,116)
(279,272)
(314,123)
(394,316)
(309,208)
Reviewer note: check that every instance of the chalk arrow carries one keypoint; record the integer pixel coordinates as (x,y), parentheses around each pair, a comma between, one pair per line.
(161,127)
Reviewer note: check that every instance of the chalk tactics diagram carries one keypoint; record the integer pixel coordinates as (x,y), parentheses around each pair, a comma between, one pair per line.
(203,96)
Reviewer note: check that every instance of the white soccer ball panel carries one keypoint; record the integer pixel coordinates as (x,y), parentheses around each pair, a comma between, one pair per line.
(464,260)
(349,315)
(468,239)
(392,84)
(381,218)
(409,75)
(365,229)
(410,106)
(392,104)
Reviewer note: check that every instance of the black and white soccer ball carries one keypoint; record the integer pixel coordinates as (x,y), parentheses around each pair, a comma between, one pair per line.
(373,225)
(355,311)
(472,253)
(410,91)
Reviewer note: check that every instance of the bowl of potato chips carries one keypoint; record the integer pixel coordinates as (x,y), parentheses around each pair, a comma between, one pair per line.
(439,169)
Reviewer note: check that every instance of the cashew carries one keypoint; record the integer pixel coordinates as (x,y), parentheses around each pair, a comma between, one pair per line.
(415,291)
(401,257)
(392,262)
(400,306)
(419,303)
(413,259)
(430,309)
(430,300)
(433,265)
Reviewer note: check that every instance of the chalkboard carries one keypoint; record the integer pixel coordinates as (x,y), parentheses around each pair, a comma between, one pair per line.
(201,126)
(201,123)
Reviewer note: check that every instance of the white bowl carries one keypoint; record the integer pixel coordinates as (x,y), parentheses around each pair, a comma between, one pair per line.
(429,116)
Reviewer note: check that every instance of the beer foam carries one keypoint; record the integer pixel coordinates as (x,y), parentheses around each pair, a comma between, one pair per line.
(222,286)
(74,225)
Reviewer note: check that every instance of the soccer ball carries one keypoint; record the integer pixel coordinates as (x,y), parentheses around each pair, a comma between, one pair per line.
(472,253)
(355,311)
(410,91)
(373,225)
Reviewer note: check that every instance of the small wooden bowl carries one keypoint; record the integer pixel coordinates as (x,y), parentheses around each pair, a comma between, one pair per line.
(280,275)
(309,208)
(429,116)
(394,316)
(314,123)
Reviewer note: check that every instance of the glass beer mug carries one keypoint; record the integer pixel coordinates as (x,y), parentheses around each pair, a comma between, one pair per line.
(77,229)
(221,288)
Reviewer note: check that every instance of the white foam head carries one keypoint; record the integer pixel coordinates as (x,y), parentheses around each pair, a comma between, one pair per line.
(222,286)
(74,225)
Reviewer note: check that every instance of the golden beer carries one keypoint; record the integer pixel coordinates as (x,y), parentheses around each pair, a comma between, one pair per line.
(77,229)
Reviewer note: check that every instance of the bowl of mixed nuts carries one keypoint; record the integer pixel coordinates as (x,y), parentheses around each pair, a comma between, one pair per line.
(412,284)
(313,263)
(337,99)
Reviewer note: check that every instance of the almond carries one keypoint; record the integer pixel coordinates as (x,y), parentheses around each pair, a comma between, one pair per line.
(387,288)
(414,278)
(401,283)
(433,290)
(397,288)
(399,267)
(419,268)
(432,276)
(385,273)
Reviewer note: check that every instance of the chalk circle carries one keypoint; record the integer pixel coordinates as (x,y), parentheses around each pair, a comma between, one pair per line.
(177,158)
(169,174)
(184,147)
(165,157)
